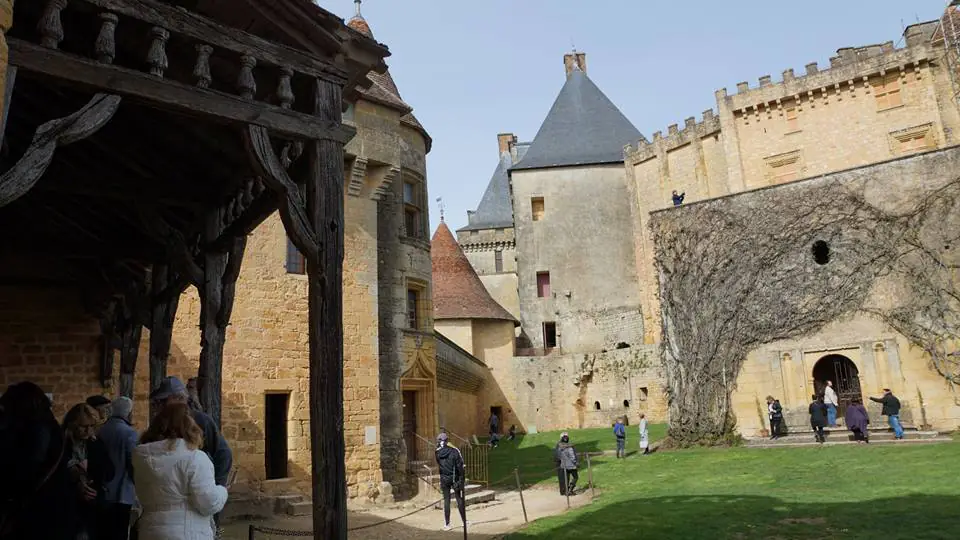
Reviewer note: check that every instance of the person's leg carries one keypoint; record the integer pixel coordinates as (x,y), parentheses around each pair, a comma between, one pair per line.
(832,415)
(461,505)
(895,424)
(562,479)
(116,522)
(572,484)
(445,485)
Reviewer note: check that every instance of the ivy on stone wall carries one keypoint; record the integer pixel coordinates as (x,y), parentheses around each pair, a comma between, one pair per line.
(743,271)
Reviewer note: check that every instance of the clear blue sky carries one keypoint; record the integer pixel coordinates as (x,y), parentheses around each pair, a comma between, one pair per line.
(472,70)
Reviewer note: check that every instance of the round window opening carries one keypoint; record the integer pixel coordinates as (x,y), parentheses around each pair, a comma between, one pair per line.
(821,252)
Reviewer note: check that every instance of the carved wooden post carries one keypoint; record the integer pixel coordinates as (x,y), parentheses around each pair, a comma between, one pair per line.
(220,272)
(50,26)
(157,55)
(131,328)
(201,72)
(246,84)
(284,89)
(325,293)
(165,298)
(105,47)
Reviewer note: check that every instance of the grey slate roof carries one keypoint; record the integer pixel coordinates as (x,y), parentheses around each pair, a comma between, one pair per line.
(495,210)
(582,128)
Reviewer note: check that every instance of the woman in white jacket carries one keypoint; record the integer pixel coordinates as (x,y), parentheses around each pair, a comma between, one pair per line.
(174,479)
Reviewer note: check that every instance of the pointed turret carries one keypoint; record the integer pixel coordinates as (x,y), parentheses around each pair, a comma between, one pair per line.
(458,292)
(582,128)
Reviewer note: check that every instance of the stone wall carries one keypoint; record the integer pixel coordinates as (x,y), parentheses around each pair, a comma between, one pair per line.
(481,248)
(461,413)
(582,241)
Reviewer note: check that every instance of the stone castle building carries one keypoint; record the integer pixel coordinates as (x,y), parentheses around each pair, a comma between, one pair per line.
(873,105)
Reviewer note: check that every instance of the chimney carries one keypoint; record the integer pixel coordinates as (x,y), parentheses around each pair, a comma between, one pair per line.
(575,58)
(506,141)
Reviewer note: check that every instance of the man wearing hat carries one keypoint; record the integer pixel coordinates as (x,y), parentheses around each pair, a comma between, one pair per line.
(452,476)
(172,390)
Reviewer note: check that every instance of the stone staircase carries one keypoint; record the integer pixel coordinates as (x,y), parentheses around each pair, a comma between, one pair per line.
(879,434)
(428,485)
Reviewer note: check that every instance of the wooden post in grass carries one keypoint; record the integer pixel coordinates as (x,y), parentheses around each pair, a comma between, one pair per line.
(590,475)
(516,473)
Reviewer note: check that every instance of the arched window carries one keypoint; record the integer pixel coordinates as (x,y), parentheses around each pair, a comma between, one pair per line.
(596,405)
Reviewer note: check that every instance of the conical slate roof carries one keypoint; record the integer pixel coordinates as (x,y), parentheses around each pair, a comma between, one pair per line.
(458,292)
(496,208)
(582,128)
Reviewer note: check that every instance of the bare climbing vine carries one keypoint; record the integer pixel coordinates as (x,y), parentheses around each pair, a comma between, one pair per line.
(743,271)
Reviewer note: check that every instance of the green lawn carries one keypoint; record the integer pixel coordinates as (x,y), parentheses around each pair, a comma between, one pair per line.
(889,492)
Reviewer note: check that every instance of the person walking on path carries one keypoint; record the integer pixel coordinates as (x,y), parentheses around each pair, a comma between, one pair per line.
(561,473)
(452,477)
(119,496)
(620,432)
(568,462)
(818,417)
(857,421)
(171,392)
(775,413)
(644,435)
(891,409)
(175,479)
(831,401)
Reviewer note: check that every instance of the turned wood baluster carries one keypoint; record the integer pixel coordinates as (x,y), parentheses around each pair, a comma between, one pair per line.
(201,72)
(105,47)
(50,25)
(285,90)
(157,56)
(245,82)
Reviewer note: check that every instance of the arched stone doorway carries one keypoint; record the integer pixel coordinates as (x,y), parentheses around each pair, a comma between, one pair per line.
(845,376)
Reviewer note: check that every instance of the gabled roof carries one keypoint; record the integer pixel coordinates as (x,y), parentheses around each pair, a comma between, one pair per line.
(582,128)
(458,292)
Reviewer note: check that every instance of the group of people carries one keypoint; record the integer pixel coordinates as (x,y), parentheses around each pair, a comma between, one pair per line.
(823,413)
(620,433)
(93,477)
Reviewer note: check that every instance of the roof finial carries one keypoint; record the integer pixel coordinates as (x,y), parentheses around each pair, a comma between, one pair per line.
(440,202)
(357,2)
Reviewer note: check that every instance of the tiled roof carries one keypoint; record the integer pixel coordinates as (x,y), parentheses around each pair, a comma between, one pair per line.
(458,292)
(582,128)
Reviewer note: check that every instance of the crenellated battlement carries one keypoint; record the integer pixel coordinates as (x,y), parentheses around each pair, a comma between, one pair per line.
(675,138)
(850,68)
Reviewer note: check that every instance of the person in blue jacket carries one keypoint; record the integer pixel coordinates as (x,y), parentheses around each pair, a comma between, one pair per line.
(620,432)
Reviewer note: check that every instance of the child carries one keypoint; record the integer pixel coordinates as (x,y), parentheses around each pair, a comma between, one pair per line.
(512,434)
(620,431)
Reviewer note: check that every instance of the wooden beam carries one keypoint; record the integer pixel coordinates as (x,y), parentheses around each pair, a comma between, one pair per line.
(324,185)
(186,23)
(166,94)
(164,305)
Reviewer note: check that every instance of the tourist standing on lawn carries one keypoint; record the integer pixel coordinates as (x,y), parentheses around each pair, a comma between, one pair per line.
(561,473)
(857,421)
(568,461)
(644,435)
(818,417)
(831,401)
(891,409)
(775,412)
(452,476)
(620,432)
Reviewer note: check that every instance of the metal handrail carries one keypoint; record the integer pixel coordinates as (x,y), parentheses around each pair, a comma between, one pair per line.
(465,442)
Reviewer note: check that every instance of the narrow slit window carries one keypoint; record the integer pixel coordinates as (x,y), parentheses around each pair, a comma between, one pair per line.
(413,309)
(296,263)
(538,208)
(498,261)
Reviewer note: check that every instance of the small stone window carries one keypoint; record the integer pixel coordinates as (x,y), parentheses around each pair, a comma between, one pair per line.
(596,405)
(886,90)
(821,252)
(498,261)
(416,306)
(549,335)
(643,393)
(296,263)
(538,208)
(626,403)
(543,284)
(793,122)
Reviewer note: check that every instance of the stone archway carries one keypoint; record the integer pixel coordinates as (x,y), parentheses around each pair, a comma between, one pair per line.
(845,376)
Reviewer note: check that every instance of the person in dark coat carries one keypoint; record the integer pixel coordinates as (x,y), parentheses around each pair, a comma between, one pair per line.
(891,409)
(452,477)
(89,466)
(568,462)
(818,417)
(678,198)
(120,439)
(561,473)
(35,496)
(857,421)
(775,413)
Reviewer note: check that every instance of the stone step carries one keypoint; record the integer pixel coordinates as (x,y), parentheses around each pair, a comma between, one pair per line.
(283,503)
(764,443)
(301,508)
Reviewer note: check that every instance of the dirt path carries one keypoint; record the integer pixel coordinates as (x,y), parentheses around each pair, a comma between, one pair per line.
(489,521)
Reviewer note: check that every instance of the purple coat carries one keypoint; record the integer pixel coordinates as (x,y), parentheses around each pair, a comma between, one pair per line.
(857,418)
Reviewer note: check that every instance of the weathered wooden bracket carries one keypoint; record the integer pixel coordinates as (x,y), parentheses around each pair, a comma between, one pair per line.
(241,201)
(130,328)
(109,342)
(182,255)
(60,132)
(292,204)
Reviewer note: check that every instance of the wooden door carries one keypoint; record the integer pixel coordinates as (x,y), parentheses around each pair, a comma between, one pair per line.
(410,424)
